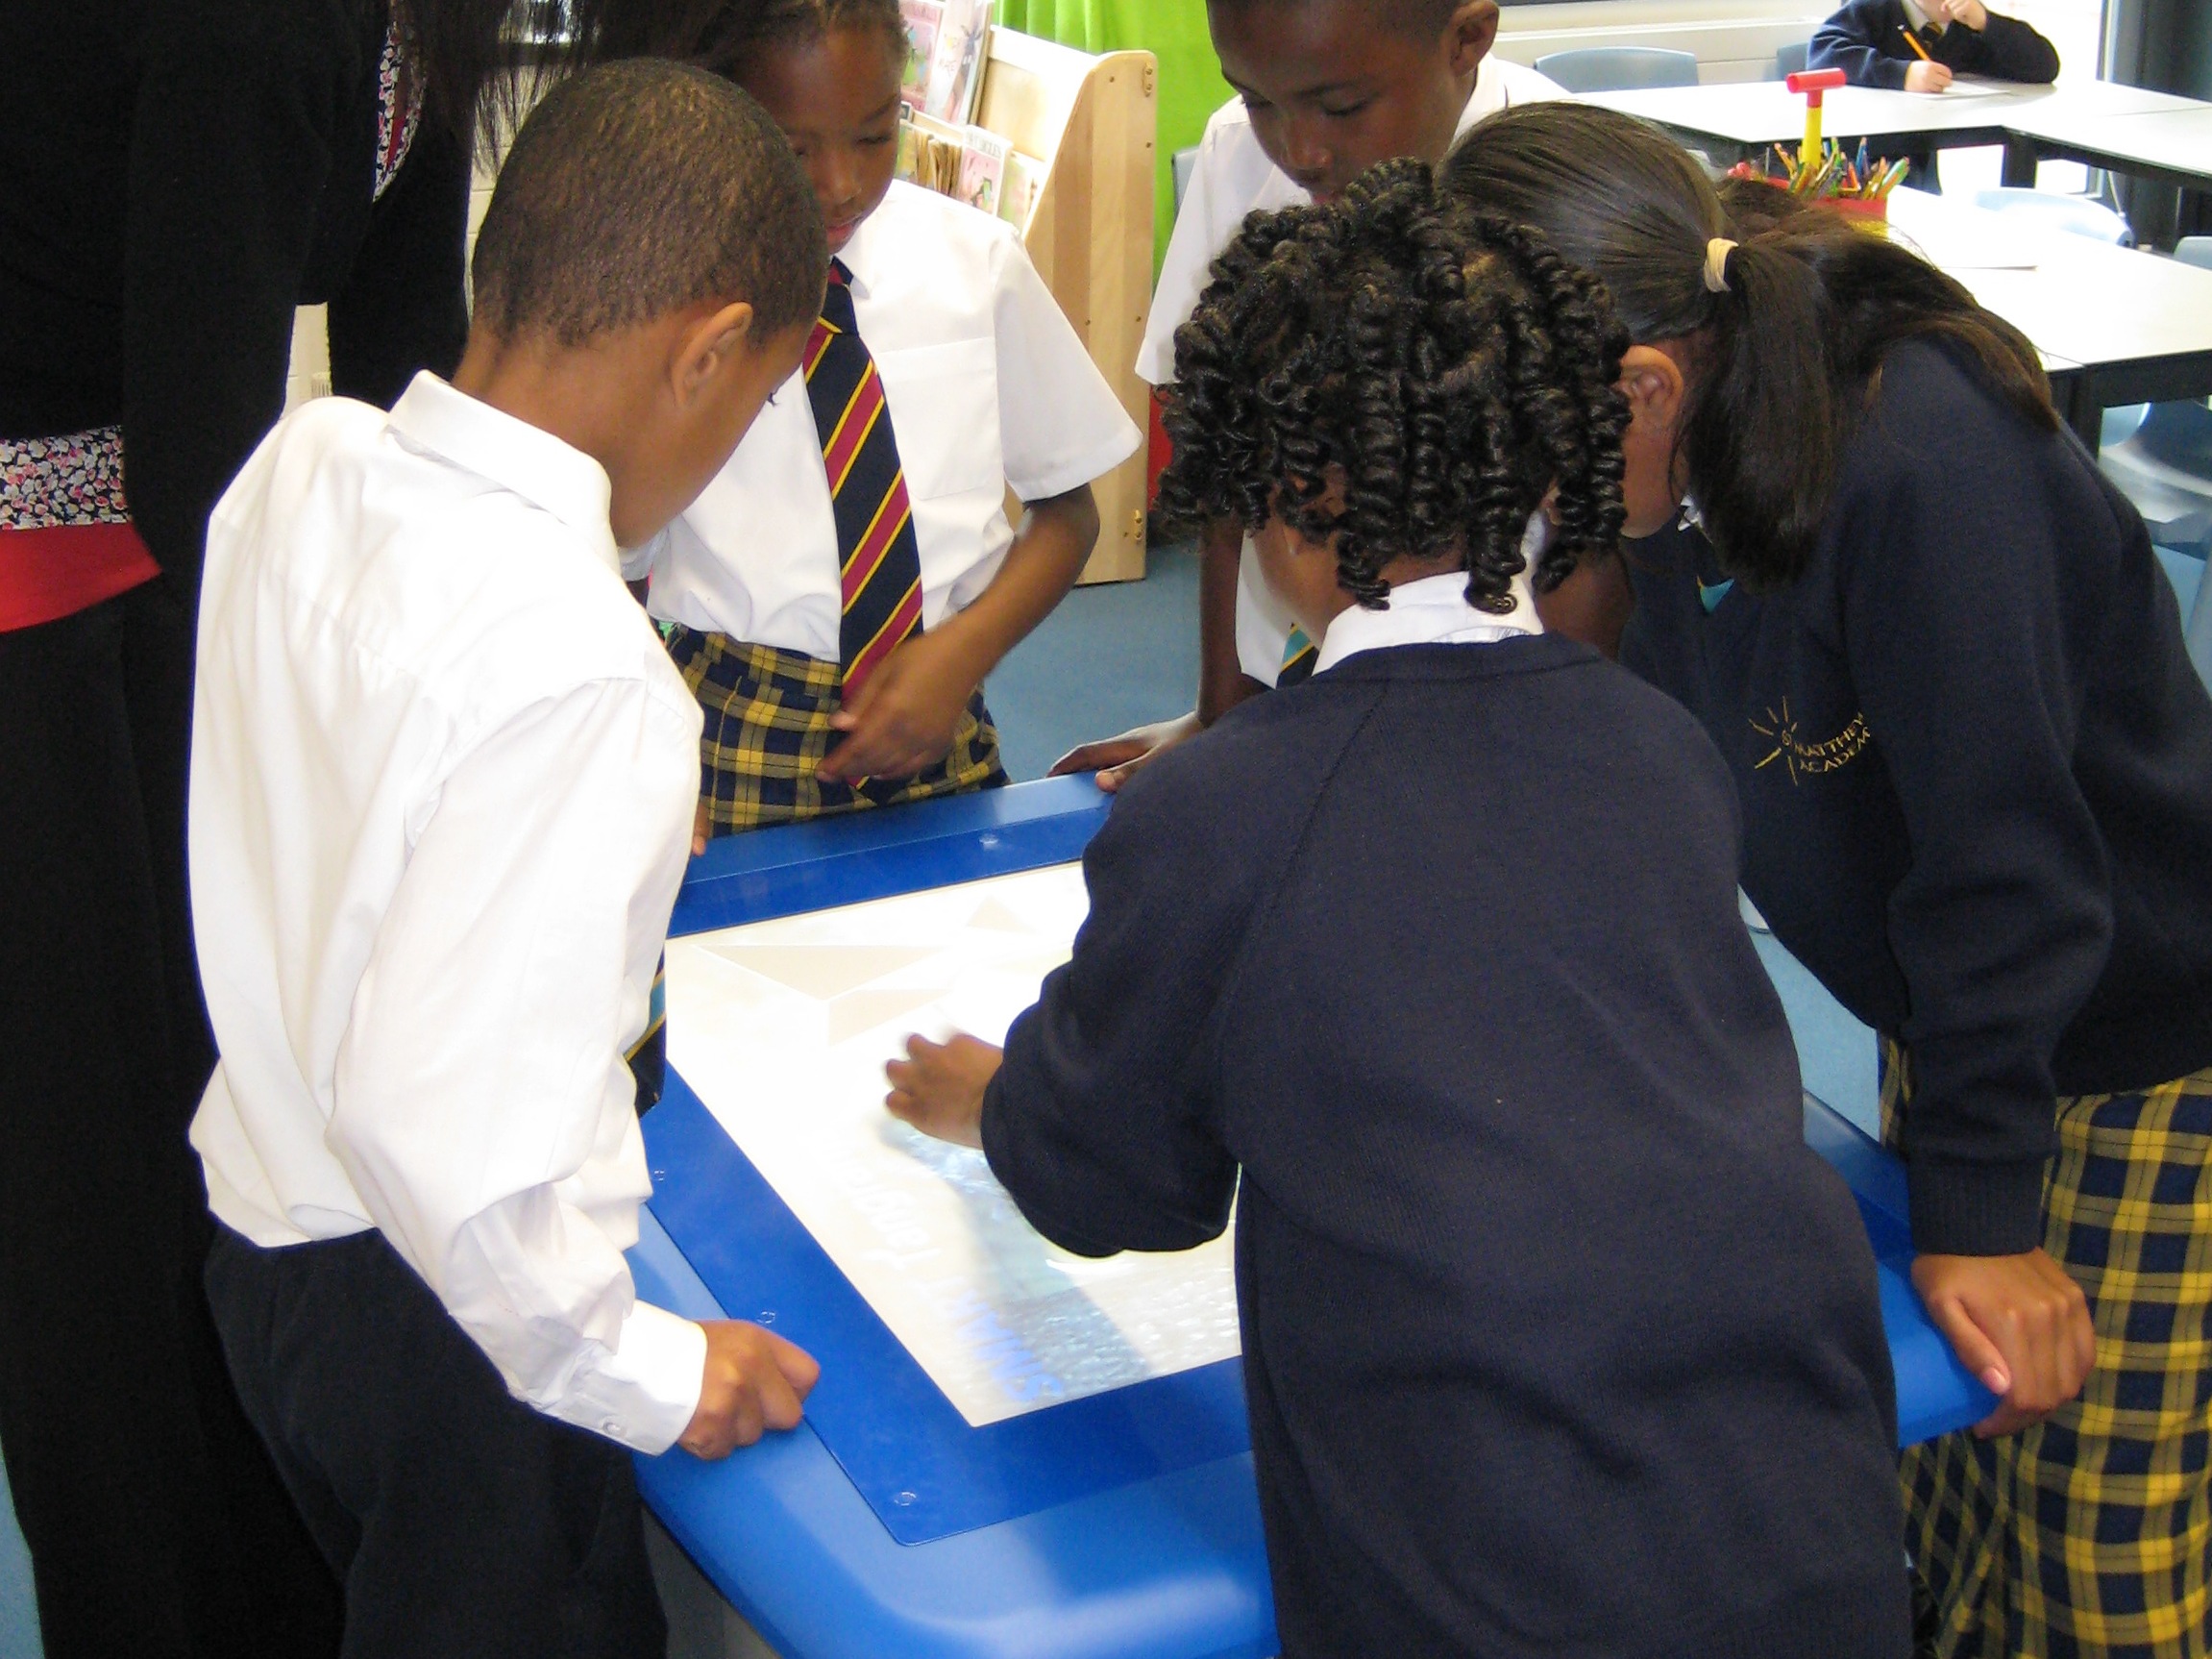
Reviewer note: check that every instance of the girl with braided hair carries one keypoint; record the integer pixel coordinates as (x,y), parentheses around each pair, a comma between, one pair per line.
(840,591)
(1557,1338)
(1976,764)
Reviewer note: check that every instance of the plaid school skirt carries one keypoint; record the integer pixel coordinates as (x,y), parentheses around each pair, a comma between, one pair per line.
(2091,1532)
(768,729)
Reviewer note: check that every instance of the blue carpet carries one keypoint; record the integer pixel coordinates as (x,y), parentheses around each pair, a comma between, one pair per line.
(18,1603)
(1111,657)
(1834,1051)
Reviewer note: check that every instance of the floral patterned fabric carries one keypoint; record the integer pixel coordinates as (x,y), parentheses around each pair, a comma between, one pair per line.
(49,482)
(399,104)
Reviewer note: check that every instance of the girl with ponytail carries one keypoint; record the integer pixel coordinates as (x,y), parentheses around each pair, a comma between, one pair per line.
(1976,769)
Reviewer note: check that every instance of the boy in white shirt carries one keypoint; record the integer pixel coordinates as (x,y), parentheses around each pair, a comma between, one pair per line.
(442,783)
(839,600)
(1325,88)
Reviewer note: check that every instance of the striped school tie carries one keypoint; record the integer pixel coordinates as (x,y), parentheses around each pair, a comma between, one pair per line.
(1298,655)
(880,567)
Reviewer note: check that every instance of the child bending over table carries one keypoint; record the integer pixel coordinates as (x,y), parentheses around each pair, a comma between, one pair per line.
(1558,1339)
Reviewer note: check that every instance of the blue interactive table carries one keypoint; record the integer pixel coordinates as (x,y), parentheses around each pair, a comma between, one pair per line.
(1124,1525)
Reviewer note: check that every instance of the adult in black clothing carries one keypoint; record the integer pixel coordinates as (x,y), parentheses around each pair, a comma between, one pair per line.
(1866,39)
(1558,1340)
(1934,646)
(180,176)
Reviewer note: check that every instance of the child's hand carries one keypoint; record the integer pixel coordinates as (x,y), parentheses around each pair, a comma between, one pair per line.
(1927,76)
(1971,13)
(701,828)
(905,714)
(754,1381)
(1115,759)
(2016,1322)
(939,1087)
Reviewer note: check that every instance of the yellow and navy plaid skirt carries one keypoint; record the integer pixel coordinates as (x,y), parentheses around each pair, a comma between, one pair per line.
(768,729)
(2091,1532)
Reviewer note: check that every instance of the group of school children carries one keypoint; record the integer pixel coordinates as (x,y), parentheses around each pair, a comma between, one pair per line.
(1557,1338)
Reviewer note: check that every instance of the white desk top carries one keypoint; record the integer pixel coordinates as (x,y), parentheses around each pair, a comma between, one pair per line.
(2081,302)
(1753,113)
(2169,141)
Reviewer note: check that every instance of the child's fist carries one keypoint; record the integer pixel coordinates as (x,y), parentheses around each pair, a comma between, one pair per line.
(754,1381)
(1926,76)
(1971,13)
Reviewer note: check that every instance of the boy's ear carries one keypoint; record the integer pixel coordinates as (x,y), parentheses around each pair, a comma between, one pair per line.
(706,347)
(1653,383)
(1471,33)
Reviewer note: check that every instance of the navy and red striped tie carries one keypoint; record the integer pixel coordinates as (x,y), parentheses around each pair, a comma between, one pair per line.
(880,566)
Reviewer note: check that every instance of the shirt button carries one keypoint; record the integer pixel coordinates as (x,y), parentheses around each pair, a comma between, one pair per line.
(611,1427)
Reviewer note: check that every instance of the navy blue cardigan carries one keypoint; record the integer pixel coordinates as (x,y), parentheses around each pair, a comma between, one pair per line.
(1557,1339)
(1865,40)
(1976,767)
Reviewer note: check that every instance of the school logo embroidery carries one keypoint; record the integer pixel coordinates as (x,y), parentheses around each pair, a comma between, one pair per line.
(1804,758)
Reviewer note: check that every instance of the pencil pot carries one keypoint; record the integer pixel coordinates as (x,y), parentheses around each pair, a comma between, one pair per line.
(1869,213)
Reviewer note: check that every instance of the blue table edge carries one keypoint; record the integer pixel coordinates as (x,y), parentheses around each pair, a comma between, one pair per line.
(797,868)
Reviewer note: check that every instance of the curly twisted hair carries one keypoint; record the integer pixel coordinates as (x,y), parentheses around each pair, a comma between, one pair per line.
(1408,376)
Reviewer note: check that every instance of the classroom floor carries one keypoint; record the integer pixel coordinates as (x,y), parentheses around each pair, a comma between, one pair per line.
(1111,657)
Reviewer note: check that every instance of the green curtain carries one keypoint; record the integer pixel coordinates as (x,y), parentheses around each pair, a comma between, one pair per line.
(1173,30)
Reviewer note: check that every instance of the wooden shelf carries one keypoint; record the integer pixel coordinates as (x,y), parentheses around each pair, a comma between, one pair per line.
(1090,120)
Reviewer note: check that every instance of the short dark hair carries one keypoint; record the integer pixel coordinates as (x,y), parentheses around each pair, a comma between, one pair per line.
(1786,351)
(638,189)
(724,36)
(1408,376)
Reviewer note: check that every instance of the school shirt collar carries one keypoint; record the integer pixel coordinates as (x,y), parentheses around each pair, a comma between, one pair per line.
(865,250)
(532,463)
(1435,612)
(1916,15)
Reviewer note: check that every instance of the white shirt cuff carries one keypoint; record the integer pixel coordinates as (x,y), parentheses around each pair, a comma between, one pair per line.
(643,1393)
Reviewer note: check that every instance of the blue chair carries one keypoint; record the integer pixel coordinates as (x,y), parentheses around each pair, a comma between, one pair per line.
(2200,632)
(1789,60)
(1618,69)
(2074,215)
(2160,456)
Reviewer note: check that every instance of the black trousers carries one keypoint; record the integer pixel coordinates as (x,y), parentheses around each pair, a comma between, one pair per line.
(156,1523)
(464,1525)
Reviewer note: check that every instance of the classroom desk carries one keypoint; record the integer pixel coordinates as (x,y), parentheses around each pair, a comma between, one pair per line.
(1740,119)
(2171,146)
(1171,1567)
(2115,325)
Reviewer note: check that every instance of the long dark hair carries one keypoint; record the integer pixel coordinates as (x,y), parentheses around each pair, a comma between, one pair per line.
(483,61)
(721,35)
(1784,355)
(1407,376)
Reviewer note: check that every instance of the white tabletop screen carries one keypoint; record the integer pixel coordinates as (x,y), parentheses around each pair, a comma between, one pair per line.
(782,1030)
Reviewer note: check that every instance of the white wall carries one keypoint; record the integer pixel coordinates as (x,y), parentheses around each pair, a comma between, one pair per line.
(1734,40)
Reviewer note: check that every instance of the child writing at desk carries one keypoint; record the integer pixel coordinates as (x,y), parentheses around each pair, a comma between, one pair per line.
(1558,1339)
(441,792)
(1324,90)
(1918,45)
(839,592)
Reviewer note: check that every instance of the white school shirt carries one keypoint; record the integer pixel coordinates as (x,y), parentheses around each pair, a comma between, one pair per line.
(1232,178)
(988,388)
(442,783)
(1435,612)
